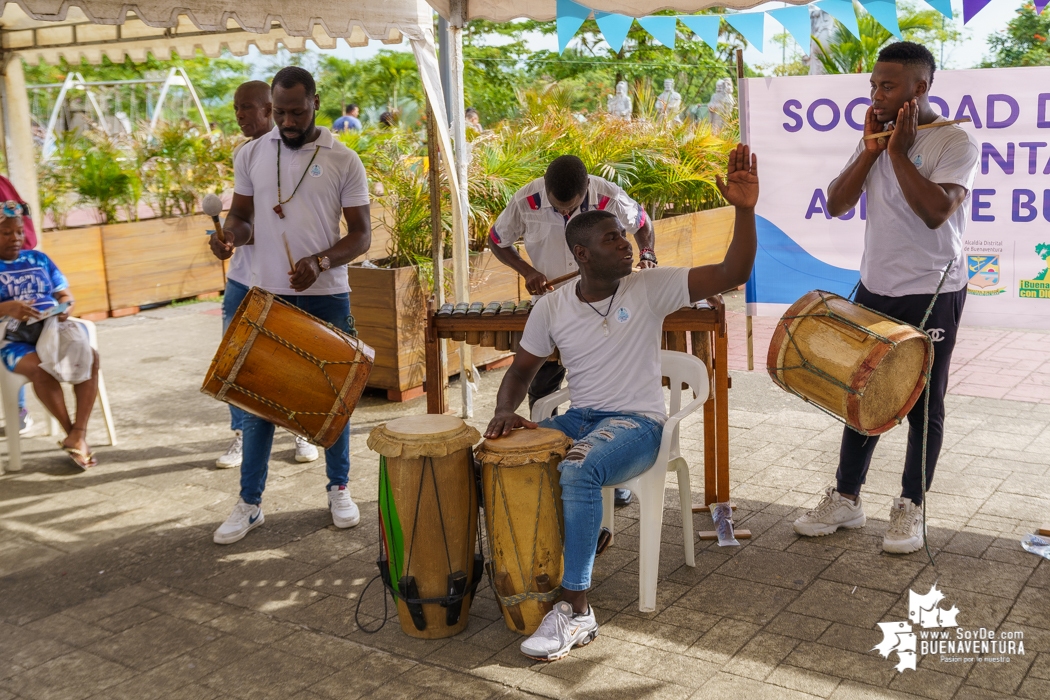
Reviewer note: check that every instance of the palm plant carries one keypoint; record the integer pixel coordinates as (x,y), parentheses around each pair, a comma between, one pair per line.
(849,54)
(107,179)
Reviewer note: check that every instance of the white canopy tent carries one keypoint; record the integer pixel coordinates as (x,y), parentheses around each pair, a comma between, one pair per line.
(543,10)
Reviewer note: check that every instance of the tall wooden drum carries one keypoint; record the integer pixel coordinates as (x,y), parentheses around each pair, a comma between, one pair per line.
(428,517)
(523,518)
(862,366)
(280,363)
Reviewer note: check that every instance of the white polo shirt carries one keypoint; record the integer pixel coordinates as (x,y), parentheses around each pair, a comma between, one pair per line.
(240,269)
(902,255)
(531,215)
(336,179)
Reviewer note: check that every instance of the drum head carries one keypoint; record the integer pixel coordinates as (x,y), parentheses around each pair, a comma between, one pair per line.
(524,446)
(427,435)
(892,388)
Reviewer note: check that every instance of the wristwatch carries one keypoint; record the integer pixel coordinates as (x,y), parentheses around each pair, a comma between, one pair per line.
(323,262)
(648,255)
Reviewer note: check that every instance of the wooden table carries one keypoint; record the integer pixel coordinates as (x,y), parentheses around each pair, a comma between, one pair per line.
(700,331)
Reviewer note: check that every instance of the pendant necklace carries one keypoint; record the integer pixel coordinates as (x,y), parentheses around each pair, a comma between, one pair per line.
(605,316)
(277,209)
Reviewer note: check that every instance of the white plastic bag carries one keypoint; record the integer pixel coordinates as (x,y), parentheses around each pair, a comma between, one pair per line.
(65,351)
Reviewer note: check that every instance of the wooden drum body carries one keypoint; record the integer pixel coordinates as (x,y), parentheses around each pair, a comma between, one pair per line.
(523,517)
(862,366)
(282,364)
(428,517)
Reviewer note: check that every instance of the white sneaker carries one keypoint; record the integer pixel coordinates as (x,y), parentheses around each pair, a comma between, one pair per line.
(304,451)
(25,421)
(833,511)
(560,631)
(234,453)
(344,511)
(904,535)
(244,518)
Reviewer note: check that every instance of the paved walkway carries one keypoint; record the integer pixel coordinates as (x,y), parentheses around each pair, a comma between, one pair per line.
(111,588)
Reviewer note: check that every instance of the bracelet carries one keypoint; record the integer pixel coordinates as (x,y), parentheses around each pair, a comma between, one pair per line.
(648,256)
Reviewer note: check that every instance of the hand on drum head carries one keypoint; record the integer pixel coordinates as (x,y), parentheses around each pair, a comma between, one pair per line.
(502,423)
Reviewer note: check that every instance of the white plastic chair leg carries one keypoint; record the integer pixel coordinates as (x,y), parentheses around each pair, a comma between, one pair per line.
(107,415)
(52,426)
(609,511)
(9,385)
(649,547)
(685,497)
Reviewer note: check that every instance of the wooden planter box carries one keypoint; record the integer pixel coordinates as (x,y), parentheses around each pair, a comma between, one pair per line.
(78,254)
(390,313)
(159,260)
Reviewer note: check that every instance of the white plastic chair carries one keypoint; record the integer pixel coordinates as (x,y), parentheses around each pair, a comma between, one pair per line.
(11,382)
(679,368)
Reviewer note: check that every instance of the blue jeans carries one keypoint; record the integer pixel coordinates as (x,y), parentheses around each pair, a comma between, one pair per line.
(231,299)
(258,433)
(609,448)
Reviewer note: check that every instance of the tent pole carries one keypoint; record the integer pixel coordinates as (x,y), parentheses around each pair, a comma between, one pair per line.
(443,63)
(460,232)
(18,136)
(743,138)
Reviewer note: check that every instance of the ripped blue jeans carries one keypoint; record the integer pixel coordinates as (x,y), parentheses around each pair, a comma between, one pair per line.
(609,448)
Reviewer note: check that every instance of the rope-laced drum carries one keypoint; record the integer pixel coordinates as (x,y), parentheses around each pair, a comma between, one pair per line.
(523,518)
(428,519)
(861,366)
(280,363)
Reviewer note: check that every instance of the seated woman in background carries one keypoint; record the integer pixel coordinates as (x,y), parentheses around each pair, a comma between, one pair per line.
(30,285)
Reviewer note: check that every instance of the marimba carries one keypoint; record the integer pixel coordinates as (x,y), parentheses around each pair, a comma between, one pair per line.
(700,331)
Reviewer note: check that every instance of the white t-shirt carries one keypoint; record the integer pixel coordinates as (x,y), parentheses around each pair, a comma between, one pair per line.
(240,269)
(901,255)
(336,179)
(529,214)
(619,372)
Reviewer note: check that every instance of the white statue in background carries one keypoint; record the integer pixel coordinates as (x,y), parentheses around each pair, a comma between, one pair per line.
(720,107)
(669,103)
(619,104)
(822,28)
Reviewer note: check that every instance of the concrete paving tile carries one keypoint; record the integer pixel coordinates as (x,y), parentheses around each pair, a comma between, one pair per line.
(803,680)
(113,603)
(816,547)
(727,685)
(880,571)
(959,572)
(368,673)
(798,626)
(250,626)
(688,618)
(187,607)
(126,619)
(1041,666)
(774,568)
(268,673)
(651,633)
(26,649)
(1035,688)
(1000,677)
(71,676)
(324,648)
(759,657)
(731,597)
(69,630)
(154,642)
(851,690)
(150,686)
(838,602)
(461,655)
(863,667)
(723,640)
(392,639)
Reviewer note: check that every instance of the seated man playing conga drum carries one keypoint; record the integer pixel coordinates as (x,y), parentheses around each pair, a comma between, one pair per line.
(30,285)
(607,328)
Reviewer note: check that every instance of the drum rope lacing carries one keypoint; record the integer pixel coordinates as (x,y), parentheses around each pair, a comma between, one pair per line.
(528,594)
(446,600)
(321,364)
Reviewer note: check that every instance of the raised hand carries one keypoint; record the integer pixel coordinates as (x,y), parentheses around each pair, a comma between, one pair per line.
(874,126)
(740,186)
(902,138)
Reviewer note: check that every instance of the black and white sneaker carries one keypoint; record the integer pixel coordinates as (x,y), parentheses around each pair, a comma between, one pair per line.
(559,631)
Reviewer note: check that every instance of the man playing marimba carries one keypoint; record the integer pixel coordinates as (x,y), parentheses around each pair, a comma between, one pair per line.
(607,327)
(539,212)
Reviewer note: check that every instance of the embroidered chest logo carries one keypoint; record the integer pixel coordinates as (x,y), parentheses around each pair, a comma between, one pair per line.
(623,314)
(316,170)
(918,161)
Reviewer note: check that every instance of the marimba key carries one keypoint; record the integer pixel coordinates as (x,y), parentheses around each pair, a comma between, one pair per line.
(488,338)
(474,312)
(446,309)
(459,310)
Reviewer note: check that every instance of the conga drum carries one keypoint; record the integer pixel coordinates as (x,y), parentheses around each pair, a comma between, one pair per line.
(523,518)
(428,519)
(860,365)
(280,363)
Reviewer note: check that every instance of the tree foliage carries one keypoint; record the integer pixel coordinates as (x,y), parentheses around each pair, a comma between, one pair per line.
(1024,43)
(846,53)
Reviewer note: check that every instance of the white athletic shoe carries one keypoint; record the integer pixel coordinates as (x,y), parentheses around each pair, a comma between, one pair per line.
(304,451)
(345,512)
(244,518)
(559,631)
(234,453)
(905,532)
(833,511)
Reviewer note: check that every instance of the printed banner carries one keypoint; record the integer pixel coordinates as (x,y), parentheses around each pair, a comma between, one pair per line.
(805,129)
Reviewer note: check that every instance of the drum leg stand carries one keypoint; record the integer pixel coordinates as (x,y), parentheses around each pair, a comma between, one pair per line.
(1045,529)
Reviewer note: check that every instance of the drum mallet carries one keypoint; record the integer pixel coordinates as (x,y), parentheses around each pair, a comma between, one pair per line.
(212,206)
